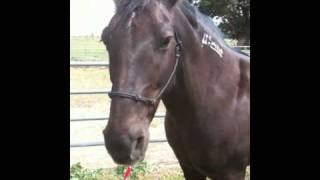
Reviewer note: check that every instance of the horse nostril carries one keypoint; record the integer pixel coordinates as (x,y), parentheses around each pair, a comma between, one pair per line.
(139,143)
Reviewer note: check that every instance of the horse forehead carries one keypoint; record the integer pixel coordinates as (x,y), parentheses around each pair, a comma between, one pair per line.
(162,12)
(132,16)
(158,14)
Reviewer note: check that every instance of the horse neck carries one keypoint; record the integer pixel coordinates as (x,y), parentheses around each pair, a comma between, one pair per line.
(200,78)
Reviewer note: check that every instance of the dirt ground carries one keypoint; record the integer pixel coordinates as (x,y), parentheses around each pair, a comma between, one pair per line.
(97,157)
(85,106)
(158,155)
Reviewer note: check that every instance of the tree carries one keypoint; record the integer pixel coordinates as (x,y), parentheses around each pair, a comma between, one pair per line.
(234,15)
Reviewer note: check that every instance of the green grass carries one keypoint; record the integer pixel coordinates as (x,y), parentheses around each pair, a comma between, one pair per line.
(77,172)
(90,48)
(141,170)
(87,48)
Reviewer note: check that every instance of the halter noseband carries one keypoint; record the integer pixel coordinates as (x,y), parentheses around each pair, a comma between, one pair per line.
(152,100)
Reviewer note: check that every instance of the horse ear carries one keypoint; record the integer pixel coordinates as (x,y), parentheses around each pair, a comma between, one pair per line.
(120,2)
(104,35)
(171,3)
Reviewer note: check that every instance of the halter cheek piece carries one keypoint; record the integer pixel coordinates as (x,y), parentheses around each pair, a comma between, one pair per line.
(152,100)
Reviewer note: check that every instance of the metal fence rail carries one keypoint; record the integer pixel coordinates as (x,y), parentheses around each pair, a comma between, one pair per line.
(102,91)
(107,118)
(103,63)
(89,63)
(105,91)
(90,144)
(241,47)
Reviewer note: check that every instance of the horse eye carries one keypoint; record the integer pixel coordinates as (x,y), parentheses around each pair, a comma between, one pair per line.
(165,42)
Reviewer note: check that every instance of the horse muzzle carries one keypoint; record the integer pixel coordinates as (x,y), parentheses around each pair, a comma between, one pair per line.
(126,146)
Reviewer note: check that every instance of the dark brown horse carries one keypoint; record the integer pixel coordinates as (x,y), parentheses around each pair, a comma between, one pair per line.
(167,50)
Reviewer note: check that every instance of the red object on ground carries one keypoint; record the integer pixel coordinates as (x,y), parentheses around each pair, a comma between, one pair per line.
(127,173)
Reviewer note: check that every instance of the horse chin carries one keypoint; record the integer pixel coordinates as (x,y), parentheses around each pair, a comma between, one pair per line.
(137,155)
(138,158)
(134,158)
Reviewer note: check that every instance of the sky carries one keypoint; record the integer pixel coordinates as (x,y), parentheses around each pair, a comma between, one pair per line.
(89,17)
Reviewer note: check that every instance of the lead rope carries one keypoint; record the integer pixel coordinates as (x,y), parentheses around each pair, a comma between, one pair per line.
(127,173)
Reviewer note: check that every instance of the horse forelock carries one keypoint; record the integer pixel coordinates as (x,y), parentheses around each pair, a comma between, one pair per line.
(126,11)
(203,20)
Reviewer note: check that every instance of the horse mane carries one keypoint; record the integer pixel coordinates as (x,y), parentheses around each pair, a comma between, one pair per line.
(197,18)
(201,19)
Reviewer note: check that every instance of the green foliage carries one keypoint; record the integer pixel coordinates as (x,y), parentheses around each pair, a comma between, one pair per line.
(88,48)
(234,14)
(138,170)
(77,172)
